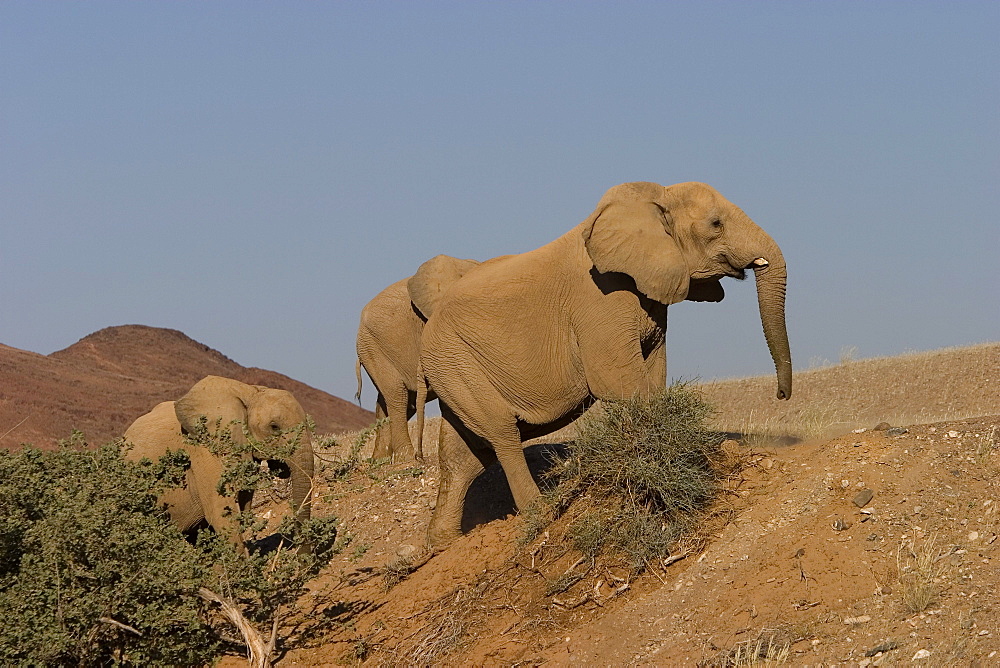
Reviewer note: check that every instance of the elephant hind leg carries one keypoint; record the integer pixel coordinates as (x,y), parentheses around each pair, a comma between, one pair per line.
(394,441)
(462,457)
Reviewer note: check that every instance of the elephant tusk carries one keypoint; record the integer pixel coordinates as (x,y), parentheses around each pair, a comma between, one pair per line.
(760,262)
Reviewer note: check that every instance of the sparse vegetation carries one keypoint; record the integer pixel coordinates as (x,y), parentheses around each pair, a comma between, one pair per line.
(919,569)
(644,472)
(92,572)
(765,650)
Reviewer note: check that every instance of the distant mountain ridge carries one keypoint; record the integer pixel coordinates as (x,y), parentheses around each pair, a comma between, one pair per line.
(101,383)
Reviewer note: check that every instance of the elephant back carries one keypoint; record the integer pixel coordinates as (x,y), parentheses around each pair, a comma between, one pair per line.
(152,434)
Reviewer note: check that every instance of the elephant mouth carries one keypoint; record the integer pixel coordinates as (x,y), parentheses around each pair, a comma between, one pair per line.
(715,274)
(279,468)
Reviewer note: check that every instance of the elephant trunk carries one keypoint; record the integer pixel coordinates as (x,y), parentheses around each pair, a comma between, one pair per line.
(771,283)
(301,479)
(764,256)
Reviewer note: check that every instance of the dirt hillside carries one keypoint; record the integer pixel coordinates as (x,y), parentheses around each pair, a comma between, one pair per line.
(101,383)
(876,547)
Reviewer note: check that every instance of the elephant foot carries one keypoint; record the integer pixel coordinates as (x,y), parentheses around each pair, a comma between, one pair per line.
(440,537)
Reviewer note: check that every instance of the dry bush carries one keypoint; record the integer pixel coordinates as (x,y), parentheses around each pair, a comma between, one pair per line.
(643,472)
(919,568)
(768,648)
(446,629)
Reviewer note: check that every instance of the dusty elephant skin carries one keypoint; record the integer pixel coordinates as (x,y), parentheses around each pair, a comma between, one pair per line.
(522,345)
(388,346)
(265,412)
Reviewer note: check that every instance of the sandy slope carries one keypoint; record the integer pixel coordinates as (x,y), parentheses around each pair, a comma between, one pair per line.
(795,559)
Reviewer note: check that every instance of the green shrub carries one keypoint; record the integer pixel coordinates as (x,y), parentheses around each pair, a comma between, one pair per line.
(92,572)
(644,468)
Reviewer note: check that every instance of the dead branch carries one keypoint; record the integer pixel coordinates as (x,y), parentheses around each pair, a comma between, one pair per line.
(260,652)
(115,622)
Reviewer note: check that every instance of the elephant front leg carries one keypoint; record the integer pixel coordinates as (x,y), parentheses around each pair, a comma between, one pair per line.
(459,468)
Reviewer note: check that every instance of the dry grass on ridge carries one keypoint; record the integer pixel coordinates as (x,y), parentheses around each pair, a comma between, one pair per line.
(947,384)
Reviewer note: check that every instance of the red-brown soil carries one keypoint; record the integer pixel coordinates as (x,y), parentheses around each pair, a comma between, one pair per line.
(103,382)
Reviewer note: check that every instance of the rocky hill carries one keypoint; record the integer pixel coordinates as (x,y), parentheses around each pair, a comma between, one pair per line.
(101,383)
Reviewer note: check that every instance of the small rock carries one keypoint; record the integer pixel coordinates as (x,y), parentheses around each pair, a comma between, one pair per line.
(952,434)
(973,535)
(406,551)
(883,648)
(921,654)
(896,431)
(863,498)
(841,525)
(857,620)
(731,448)
(881,426)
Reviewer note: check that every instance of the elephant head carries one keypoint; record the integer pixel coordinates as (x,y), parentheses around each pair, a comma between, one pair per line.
(262,413)
(677,242)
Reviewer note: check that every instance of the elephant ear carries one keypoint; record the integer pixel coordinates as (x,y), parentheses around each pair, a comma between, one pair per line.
(632,237)
(707,290)
(432,280)
(216,398)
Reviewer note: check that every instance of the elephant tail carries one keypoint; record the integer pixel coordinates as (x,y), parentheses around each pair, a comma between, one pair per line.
(357,372)
(421,400)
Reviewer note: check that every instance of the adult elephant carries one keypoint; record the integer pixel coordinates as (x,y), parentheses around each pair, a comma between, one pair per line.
(388,346)
(520,348)
(263,413)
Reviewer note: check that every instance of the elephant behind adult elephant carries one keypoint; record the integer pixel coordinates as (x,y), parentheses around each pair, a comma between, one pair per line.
(388,346)
(265,414)
(521,347)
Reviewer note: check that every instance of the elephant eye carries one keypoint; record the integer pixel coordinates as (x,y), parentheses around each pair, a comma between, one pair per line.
(717,224)
(275,428)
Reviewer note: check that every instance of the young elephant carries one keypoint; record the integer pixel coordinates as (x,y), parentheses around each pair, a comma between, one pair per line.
(520,347)
(388,346)
(263,412)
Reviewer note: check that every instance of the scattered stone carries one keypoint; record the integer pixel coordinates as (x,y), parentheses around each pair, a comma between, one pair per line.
(897,431)
(731,448)
(973,535)
(881,426)
(887,646)
(952,434)
(863,498)
(857,620)
(921,654)
(406,551)
(841,525)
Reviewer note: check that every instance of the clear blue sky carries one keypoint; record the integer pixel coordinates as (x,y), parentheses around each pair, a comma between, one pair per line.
(252,173)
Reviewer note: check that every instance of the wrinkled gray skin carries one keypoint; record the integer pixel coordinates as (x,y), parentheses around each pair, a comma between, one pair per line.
(263,411)
(388,346)
(522,346)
